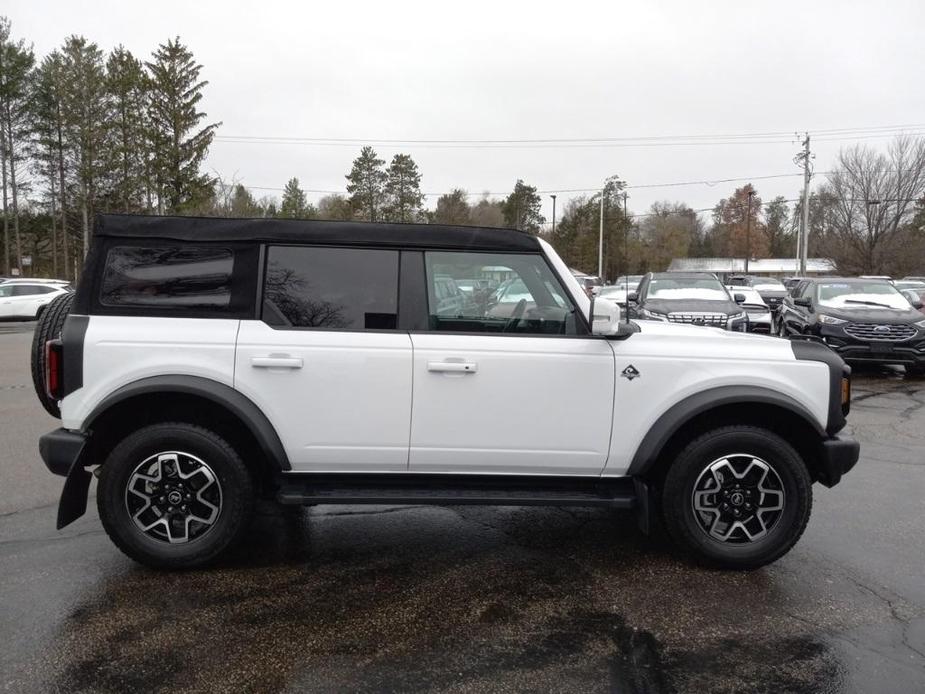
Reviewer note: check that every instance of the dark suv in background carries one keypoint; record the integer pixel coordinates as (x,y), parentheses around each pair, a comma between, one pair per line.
(864,320)
(698,298)
(772,290)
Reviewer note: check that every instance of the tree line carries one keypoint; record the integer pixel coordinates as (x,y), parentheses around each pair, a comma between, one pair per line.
(83,132)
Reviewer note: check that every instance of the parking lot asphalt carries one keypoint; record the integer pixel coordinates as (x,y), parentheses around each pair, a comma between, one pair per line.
(470,599)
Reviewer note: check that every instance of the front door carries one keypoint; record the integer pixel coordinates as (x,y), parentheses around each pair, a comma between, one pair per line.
(509,382)
(326,363)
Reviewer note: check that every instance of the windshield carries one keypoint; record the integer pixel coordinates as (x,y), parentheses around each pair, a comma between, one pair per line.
(687,288)
(612,291)
(763,284)
(861,294)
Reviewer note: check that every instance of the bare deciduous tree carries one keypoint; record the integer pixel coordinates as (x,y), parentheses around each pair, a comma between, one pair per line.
(875,196)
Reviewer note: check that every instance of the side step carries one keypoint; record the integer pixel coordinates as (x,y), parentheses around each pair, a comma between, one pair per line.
(440,490)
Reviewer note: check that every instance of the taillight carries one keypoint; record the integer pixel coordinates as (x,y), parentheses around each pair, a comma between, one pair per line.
(53,366)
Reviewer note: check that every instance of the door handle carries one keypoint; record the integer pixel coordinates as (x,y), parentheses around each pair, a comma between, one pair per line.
(468,367)
(274,362)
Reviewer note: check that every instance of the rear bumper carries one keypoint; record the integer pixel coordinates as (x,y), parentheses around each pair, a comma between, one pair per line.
(839,454)
(60,449)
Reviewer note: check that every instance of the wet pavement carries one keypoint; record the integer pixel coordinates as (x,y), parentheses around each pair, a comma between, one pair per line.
(472,599)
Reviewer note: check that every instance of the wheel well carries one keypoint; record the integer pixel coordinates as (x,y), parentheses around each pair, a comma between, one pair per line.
(129,415)
(787,424)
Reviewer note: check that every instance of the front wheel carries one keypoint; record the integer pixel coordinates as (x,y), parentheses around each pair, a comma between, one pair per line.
(738,497)
(174,495)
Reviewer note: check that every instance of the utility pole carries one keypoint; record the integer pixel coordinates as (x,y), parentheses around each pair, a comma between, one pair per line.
(553,214)
(600,241)
(803,238)
(748,229)
(626,237)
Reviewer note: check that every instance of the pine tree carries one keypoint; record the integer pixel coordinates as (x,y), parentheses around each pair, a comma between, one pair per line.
(522,208)
(294,204)
(453,208)
(50,151)
(87,120)
(403,198)
(127,84)
(180,143)
(366,184)
(16,91)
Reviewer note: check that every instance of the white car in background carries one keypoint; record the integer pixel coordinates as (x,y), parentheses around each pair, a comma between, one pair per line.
(760,319)
(613,293)
(22,299)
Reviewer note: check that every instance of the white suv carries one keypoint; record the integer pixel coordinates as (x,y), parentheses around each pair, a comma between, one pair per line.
(26,299)
(207,362)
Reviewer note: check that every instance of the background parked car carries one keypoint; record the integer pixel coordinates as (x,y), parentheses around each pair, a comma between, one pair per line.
(590,283)
(698,298)
(863,320)
(26,299)
(760,318)
(772,290)
(614,293)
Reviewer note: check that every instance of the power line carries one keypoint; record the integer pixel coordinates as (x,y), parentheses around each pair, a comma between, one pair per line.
(769,137)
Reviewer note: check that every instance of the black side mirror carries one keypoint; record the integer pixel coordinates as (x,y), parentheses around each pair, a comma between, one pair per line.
(632,297)
(739,298)
(803,301)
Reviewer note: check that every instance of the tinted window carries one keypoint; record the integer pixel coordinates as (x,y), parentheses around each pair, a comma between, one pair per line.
(6,291)
(334,288)
(178,277)
(514,294)
(30,289)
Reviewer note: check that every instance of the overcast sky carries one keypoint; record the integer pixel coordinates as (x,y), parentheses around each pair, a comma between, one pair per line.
(507,71)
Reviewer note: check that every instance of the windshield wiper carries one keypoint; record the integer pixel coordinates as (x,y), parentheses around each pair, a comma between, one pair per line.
(866,303)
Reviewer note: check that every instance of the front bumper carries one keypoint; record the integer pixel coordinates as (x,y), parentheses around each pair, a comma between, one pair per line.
(852,349)
(838,455)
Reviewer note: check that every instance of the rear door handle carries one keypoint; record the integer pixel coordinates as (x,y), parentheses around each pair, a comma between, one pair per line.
(276,362)
(468,367)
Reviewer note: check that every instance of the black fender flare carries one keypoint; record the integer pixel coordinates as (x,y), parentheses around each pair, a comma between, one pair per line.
(682,412)
(232,400)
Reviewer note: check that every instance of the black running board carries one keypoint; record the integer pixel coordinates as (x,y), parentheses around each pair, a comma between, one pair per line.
(445,490)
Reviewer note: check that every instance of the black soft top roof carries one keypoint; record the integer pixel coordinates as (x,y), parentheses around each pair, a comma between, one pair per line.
(436,236)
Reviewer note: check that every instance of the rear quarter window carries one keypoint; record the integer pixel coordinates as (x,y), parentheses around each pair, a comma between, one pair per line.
(165,277)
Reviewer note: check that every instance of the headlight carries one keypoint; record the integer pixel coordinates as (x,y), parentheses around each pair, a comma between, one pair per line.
(646,313)
(738,316)
(921,324)
(832,320)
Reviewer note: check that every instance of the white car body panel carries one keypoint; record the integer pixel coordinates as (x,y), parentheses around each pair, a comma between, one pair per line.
(119,350)
(676,361)
(346,409)
(530,405)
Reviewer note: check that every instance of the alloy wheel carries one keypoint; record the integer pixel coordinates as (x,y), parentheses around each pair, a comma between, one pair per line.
(738,499)
(173,497)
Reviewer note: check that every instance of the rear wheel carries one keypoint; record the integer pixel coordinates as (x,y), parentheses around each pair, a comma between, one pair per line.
(738,497)
(174,495)
(50,322)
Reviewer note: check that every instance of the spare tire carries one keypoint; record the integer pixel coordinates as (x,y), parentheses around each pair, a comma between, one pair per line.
(49,326)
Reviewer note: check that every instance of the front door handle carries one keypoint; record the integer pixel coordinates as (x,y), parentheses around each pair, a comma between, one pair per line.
(467,367)
(274,362)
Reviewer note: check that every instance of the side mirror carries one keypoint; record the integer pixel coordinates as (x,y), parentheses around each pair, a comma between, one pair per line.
(803,301)
(605,318)
(739,298)
(632,297)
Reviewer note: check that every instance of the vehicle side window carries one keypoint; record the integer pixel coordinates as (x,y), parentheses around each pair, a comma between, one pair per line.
(167,277)
(511,293)
(6,291)
(31,289)
(796,290)
(808,290)
(332,288)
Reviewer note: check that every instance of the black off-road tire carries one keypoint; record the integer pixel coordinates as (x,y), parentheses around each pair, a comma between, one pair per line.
(678,504)
(233,477)
(50,323)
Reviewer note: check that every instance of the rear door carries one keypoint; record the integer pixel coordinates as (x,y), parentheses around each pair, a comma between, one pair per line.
(326,362)
(512,383)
